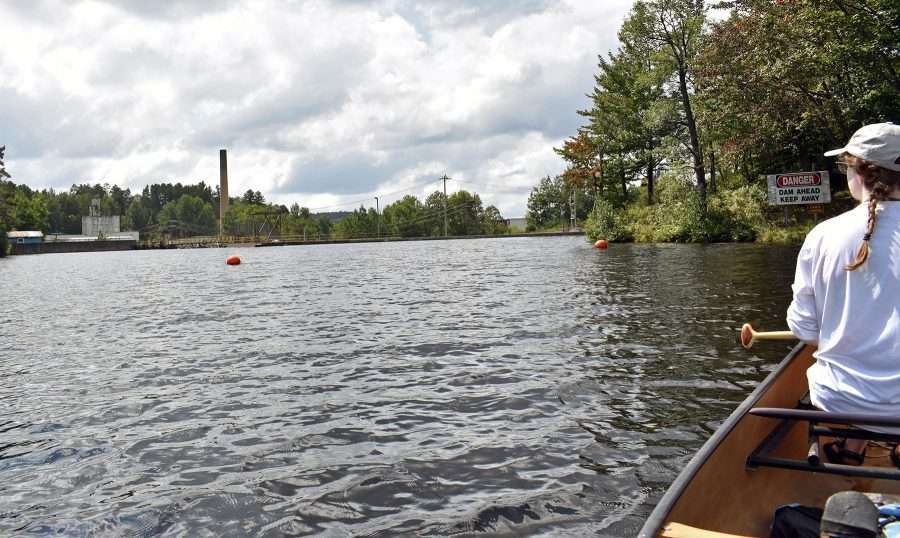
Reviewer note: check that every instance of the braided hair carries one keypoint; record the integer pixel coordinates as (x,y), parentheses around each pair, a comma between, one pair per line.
(880,182)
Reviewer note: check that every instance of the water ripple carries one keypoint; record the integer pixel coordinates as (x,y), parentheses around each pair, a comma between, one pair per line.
(489,387)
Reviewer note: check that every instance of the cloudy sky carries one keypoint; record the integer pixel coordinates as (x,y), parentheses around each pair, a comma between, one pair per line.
(325,103)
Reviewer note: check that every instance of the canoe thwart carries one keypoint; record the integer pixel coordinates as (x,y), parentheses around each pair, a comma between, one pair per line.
(823,416)
(760,456)
(825,468)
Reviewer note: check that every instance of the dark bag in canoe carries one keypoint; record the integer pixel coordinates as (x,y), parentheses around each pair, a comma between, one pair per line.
(796,521)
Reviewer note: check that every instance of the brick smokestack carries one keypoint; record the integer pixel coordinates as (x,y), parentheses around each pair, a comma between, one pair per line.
(223,189)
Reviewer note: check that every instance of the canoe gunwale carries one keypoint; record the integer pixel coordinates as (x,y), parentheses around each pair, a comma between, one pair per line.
(660,514)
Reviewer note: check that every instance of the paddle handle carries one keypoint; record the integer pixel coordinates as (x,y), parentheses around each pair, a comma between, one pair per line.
(749,336)
(775,335)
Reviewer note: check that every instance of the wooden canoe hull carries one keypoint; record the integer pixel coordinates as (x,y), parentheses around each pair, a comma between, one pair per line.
(717,492)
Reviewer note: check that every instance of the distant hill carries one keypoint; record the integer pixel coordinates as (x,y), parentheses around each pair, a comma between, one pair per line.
(334,216)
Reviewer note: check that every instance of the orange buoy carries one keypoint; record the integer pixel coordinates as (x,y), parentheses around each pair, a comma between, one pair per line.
(233,260)
(601,244)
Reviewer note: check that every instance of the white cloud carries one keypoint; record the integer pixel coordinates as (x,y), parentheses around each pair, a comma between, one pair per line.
(323,103)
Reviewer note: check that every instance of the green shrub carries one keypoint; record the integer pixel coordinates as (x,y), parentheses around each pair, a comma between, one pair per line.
(736,214)
(676,217)
(605,222)
(781,235)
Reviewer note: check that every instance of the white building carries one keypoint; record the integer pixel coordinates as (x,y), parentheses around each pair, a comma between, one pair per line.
(95,225)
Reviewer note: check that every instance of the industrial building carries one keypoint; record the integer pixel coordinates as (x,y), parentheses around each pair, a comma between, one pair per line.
(96,225)
(98,233)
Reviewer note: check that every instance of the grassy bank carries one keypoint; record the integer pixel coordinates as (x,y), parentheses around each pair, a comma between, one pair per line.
(738,213)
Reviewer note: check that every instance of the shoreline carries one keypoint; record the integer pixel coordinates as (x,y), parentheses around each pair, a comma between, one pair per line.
(280,243)
(213,242)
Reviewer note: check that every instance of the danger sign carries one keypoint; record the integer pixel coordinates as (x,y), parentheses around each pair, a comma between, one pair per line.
(799,188)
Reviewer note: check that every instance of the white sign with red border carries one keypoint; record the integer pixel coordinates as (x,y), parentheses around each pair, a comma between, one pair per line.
(799,188)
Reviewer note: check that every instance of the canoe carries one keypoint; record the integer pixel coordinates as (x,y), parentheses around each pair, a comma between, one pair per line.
(763,457)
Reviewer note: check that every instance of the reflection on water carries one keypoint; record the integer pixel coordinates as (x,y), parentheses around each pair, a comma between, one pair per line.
(491,387)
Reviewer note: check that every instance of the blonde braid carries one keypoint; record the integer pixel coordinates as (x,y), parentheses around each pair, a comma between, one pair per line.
(863,254)
(874,178)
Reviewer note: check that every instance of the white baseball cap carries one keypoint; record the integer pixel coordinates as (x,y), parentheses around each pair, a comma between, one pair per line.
(878,143)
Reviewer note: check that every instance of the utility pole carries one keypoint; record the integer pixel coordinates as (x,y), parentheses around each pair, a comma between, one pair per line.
(444,179)
(573,207)
(378,216)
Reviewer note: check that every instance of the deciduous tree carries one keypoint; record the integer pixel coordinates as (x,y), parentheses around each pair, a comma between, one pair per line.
(673,30)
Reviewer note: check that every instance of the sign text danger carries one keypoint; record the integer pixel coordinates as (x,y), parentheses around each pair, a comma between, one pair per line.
(799,188)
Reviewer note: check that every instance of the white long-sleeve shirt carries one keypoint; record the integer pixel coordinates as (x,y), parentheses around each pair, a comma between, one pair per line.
(853,315)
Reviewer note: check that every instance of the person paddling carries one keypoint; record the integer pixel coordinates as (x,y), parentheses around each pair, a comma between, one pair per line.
(846,292)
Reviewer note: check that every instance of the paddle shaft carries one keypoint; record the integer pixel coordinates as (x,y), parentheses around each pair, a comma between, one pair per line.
(775,335)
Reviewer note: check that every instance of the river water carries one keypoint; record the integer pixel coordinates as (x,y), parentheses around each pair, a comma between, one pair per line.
(528,386)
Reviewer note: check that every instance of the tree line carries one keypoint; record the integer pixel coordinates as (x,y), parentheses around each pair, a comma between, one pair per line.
(167,210)
(49,211)
(688,115)
(461,213)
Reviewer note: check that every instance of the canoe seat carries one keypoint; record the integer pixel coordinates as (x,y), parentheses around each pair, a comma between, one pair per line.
(761,456)
(680,530)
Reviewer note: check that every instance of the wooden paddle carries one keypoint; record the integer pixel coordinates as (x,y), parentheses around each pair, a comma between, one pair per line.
(748,335)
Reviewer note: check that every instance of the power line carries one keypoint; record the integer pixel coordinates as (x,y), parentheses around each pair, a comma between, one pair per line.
(414,187)
(429,215)
(432,215)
